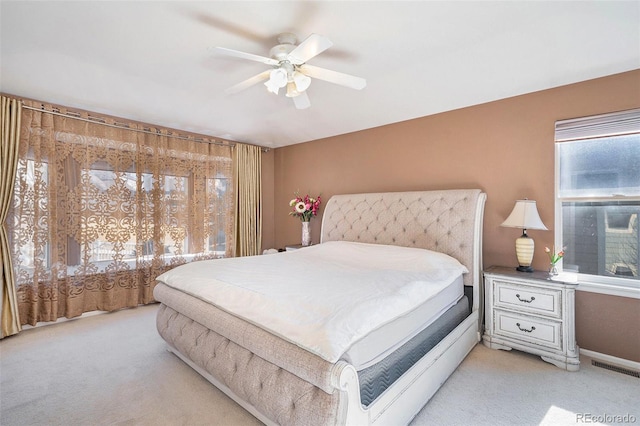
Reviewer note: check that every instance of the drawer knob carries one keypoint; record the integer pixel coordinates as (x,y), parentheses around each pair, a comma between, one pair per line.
(524,329)
(525,300)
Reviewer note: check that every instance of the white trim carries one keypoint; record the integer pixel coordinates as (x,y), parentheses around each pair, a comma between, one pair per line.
(606,285)
(619,362)
(610,289)
(64,319)
(557,206)
(612,286)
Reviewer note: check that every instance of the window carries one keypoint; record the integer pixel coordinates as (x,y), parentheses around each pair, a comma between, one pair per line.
(32,253)
(102,208)
(598,198)
(116,217)
(124,186)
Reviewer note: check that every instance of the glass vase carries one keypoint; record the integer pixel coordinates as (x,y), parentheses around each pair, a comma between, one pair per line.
(306,233)
(553,270)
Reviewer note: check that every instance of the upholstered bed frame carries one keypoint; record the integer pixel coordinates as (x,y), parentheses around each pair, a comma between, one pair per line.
(281,383)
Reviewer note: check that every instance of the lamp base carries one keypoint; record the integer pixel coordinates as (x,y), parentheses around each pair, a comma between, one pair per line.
(524,252)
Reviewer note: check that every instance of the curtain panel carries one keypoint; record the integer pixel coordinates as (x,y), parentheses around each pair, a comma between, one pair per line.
(248,190)
(100,211)
(9,140)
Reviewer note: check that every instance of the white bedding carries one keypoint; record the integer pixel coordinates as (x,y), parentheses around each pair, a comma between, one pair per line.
(323,298)
(381,342)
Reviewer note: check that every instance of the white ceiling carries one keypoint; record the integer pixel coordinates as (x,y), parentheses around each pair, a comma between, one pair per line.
(152,61)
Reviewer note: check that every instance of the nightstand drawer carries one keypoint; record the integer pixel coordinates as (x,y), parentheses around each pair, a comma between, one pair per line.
(530,330)
(524,298)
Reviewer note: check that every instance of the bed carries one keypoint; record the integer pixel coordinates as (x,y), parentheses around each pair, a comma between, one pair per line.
(406,317)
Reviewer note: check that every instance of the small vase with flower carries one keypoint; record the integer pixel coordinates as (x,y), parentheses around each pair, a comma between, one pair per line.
(305,208)
(554,258)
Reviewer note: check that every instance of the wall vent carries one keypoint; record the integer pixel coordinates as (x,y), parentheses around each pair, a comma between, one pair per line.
(616,369)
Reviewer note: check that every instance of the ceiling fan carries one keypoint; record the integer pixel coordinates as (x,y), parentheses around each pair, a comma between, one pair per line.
(290,68)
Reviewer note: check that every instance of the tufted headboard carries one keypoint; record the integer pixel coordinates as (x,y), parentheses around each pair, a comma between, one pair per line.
(448,221)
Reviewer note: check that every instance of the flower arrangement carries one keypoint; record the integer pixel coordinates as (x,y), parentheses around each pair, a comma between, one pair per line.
(553,256)
(305,207)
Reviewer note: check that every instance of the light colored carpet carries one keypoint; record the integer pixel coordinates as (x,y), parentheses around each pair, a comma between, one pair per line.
(113,369)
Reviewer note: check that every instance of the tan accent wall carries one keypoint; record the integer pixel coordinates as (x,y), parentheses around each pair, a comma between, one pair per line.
(608,324)
(505,147)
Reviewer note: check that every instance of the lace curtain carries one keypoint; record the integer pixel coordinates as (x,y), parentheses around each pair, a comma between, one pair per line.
(99,212)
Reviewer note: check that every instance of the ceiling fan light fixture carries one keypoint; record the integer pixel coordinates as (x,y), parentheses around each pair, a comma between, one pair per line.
(302,81)
(272,88)
(278,77)
(292,91)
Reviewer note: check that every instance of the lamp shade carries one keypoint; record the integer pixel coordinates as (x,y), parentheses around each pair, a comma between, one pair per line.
(524,215)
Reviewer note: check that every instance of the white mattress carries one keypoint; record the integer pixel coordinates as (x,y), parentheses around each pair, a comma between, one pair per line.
(323,298)
(376,345)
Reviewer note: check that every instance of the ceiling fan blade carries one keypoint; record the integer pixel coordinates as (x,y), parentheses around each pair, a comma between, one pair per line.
(244,55)
(310,47)
(333,77)
(230,27)
(248,82)
(302,101)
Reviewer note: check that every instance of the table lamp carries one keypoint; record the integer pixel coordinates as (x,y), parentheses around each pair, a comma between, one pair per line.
(524,215)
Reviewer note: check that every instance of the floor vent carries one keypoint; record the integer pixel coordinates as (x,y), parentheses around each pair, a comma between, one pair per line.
(616,369)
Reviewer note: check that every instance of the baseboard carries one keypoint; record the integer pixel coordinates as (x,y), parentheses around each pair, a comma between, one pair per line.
(62,319)
(620,362)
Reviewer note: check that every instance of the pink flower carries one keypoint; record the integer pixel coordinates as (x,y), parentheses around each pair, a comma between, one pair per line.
(304,207)
(554,257)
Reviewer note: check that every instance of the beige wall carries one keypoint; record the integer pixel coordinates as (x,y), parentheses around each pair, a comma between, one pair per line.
(505,148)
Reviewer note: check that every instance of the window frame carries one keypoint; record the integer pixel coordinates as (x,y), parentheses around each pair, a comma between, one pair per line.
(610,285)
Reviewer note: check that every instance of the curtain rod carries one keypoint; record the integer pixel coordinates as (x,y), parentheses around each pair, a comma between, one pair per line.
(102,121)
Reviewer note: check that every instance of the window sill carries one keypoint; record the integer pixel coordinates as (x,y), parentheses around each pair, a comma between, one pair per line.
(612,290)
(609,288)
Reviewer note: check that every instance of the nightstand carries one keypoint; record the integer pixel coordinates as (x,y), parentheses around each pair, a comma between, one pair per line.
(529,312)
